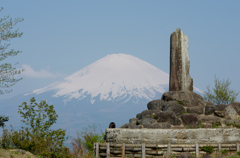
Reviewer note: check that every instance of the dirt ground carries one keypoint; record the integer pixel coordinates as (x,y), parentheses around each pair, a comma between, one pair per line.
(16,153)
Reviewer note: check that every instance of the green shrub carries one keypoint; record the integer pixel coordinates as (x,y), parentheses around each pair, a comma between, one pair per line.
(207,149)
(83,144)
(238,153)
(224,151)
(38,139)
(216,124)
(200,125)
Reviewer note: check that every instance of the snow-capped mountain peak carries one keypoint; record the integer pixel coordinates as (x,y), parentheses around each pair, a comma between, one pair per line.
(114,77)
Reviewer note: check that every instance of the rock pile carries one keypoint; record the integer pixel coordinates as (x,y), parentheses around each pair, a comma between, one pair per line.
(181,107)
(185,109)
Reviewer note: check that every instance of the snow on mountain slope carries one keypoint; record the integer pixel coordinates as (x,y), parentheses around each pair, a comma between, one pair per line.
(114,77)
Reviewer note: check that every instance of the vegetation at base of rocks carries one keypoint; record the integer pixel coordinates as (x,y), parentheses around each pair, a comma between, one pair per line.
(234,124)
(42,141)
(207,149)
(238,153)
(221,93)
(154,115)
(224,151)
(200,125)
(180,102)
(216,124)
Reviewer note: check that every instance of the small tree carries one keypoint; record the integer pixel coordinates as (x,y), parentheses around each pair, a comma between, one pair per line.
(40,117)
(7,72)
(221,94)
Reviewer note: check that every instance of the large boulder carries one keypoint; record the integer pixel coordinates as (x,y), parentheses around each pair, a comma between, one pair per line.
(146,114)
(161,125)
(169,117)
(196,110)
(220,107)
(186,98)
(219,113)
(133,121)
(209,119)
(131,126)
(190,119)
(209,109)
(236,106)
(230,113)
(155,104)
(146,122)
(174,106)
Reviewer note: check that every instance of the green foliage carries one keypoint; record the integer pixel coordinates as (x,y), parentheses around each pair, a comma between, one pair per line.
(154,115)
(234,124)
(207,149)
(238,153)
(224,151)
(85,140)
(216,124)
(2,120)
(39,116)
(200,125)
(180,102)
(6,34)
(39,139)
(221,94)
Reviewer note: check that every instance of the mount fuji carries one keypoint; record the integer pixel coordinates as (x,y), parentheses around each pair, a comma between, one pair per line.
(112,89)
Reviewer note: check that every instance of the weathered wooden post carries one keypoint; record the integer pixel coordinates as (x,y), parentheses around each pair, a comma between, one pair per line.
(168,150)
(108,150)
(123,150)
(143,150)
(237,145)
(96,146)
(219,147)
(197,149)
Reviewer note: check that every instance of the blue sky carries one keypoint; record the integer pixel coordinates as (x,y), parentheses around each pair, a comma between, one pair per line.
(62,37)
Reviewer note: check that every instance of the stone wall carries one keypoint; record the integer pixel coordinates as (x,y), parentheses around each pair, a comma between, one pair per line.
(173,136)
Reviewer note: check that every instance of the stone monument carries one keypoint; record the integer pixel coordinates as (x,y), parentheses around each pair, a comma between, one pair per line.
(181,115)
(179,78)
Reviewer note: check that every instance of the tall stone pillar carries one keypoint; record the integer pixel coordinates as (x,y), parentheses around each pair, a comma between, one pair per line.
(179,78)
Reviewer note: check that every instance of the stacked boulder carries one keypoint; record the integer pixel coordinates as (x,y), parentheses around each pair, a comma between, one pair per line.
(185,109)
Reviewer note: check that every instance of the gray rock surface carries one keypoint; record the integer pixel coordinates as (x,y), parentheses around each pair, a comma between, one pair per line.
(179,63)
(220,107)
(133,121)
(196,110)
(230,113)
(162,125)
(155,104)
(219,113)
(236,106)
(146,114)
(174,106)
(209,119)
(209,109)
(169,117)
(190,120)
(146,122)
(189,98)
